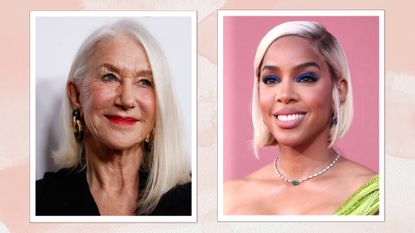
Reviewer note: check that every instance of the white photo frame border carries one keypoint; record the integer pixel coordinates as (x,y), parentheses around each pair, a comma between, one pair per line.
(192,138)
(306,218)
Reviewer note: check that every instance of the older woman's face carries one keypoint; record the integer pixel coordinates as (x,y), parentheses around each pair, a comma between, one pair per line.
(295,91)
(117,95)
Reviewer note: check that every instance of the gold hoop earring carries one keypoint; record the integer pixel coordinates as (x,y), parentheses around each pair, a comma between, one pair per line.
(77,125)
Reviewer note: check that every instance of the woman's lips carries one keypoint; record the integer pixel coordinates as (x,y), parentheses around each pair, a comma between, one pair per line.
(289,121)
(119,120)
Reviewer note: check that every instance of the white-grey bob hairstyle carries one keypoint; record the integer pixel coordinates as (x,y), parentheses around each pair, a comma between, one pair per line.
(324,44)
(168,162)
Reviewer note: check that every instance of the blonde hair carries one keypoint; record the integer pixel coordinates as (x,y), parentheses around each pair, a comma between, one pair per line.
(167,163)
(324,44)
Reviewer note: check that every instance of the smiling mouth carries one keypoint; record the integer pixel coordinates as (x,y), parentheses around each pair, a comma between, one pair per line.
(119,120)
(290,117)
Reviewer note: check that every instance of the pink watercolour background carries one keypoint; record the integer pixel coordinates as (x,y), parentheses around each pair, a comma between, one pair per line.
(359,37)
(399,117)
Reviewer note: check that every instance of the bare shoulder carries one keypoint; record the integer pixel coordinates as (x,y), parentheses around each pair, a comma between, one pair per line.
(244,190)
(354,168)
(254,178)
(235,191)
(354,173)
(232,191)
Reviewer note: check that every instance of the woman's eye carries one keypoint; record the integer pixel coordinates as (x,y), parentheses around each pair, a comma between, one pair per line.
(145,82)
(109,77)
(306,78)
(271,79)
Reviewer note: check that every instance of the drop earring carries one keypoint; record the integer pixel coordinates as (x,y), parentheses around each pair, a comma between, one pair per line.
(77,125)
(148,144)
(334,118)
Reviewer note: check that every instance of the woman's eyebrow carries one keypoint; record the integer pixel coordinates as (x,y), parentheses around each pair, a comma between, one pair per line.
(270,68)
(307,64)
(109,67)
(145,73)
(297,67)
(141,73)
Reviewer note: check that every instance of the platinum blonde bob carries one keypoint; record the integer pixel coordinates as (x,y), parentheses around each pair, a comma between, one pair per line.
(168,162)
(324,44)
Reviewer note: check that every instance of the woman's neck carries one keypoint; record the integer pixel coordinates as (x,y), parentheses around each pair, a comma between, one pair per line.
(112,177)
(298,163)
(113,170)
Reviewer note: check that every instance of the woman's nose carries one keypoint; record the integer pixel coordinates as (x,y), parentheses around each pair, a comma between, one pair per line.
(286,93)
(126,99)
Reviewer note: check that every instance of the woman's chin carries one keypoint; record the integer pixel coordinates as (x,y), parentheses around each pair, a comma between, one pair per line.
(122,144)
(115,140)
(291,141)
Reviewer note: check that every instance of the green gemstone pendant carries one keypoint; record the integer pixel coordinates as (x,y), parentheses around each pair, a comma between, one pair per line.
(295,182)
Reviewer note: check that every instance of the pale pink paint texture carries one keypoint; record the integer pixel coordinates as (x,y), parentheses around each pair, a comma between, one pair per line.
(359,37)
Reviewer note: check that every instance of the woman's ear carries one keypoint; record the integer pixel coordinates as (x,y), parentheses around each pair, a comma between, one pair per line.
(73,94)
(342,87)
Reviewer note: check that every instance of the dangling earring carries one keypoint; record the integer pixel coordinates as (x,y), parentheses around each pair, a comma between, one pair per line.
(77,125)
(148,145)
(334,118)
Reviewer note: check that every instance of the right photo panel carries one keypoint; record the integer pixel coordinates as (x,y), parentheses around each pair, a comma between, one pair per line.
(300,113)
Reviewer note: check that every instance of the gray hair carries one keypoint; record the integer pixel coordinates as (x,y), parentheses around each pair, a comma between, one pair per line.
(168,163)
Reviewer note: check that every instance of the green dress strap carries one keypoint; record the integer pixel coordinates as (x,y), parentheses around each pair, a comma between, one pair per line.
(365,201)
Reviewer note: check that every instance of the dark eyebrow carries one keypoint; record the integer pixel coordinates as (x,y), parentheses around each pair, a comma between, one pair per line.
(142,73)
(307,64)
(297,67)
(270,68)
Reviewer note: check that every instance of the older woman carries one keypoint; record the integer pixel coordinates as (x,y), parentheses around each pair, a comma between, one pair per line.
(121,147)
(302,102)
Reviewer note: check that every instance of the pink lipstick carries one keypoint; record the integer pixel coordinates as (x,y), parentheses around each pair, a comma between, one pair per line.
(288,119)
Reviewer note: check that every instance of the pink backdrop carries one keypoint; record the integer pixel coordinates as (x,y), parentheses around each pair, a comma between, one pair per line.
(359,37)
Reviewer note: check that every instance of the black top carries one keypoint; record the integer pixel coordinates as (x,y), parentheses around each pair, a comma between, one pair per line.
(66,192)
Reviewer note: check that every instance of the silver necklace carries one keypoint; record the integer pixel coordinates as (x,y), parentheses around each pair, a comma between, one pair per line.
(297,182)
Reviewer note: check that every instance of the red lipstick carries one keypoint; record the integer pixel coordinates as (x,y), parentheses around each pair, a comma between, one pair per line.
(119,120)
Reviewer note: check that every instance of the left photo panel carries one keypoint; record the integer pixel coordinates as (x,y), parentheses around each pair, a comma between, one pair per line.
(113,116)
